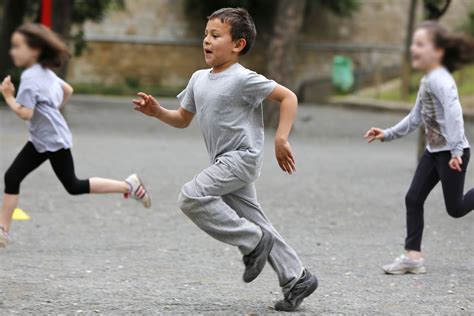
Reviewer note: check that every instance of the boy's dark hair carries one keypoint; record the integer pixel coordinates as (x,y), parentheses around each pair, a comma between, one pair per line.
(54,51)
(241,23)
(458,48)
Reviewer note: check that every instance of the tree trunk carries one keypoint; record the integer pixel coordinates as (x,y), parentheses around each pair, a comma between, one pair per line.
(406,69)
(13,12)
(287,24)
(406,60)
(62,20)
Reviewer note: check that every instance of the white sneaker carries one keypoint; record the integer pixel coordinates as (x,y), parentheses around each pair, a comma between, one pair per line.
(137,190)
(3,238)
(404,264)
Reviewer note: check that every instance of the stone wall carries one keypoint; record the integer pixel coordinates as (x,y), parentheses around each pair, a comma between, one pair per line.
(155,41)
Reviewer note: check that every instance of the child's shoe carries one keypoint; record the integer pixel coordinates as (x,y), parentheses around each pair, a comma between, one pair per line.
(137,190)
(3,238)
(305,286)
(405,264)
(256,260)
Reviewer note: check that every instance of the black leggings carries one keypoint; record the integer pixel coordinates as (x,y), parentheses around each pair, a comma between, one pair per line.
(432,168)
(29,159)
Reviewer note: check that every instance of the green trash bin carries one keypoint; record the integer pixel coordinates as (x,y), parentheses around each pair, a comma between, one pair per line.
(342,73)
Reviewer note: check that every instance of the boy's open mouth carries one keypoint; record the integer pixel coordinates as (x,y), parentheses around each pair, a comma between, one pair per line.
(207,51)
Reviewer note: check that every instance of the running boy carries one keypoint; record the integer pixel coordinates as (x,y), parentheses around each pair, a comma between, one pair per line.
(221,199)
(437,53)
(40,96)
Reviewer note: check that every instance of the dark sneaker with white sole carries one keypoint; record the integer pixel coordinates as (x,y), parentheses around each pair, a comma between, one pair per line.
(305,286)
(256,260)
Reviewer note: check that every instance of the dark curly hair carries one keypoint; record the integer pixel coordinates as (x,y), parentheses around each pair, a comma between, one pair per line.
(458,48)
(241,23)
(54,52)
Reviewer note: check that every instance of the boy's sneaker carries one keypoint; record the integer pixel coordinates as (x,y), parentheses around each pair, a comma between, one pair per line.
(256,260)
(405,264)
(137,190)
(305,286)
(3,238)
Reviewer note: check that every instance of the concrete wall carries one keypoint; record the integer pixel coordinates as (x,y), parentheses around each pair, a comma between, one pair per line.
(155,41)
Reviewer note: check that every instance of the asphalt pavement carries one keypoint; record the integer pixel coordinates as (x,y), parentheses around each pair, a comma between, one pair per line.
(343,211)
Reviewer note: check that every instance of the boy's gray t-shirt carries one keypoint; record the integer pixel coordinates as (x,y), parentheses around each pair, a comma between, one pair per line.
(42,90)
(228,106)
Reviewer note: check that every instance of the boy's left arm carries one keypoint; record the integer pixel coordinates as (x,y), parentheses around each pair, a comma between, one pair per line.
(288,106)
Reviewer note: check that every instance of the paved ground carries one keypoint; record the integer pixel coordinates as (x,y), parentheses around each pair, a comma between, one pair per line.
(342,211)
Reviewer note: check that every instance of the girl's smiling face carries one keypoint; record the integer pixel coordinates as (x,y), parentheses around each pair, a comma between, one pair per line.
(22,54)
(425,56)
(220,50)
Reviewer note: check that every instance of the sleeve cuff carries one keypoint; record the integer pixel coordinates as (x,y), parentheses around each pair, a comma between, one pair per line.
(457,152)
(189,108)
(387,135)
(184,102)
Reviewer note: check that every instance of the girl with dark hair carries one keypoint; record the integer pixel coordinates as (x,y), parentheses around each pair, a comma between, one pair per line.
(437,53)
(41,94)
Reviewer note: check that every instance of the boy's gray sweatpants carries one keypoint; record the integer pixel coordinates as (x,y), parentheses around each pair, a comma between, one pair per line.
(226,208)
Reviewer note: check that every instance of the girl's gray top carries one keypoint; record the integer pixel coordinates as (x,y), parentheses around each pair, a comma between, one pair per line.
(438,107)
(42,91)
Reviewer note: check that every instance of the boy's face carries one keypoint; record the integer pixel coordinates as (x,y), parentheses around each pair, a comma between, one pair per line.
(424,54)
(219,49)
(21,53)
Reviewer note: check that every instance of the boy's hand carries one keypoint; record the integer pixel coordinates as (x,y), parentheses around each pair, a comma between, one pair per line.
(373,134)
(147,104)
(455,163)
(8,89)
(284,156)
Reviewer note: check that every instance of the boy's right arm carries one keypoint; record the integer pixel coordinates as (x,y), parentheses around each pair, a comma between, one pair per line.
(148,105)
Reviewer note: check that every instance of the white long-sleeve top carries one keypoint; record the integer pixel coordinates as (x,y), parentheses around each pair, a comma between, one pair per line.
(438,107)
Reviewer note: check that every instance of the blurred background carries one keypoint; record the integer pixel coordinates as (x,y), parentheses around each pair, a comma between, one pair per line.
(328,51)
(343,210)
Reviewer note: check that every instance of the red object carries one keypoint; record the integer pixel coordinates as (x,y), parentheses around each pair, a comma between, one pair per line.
(46,12)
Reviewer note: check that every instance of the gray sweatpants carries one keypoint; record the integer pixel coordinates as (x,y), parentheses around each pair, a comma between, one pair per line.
(226,208)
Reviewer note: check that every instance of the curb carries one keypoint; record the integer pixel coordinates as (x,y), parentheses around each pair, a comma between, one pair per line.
(379,105)
(351,102)
(108,99)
